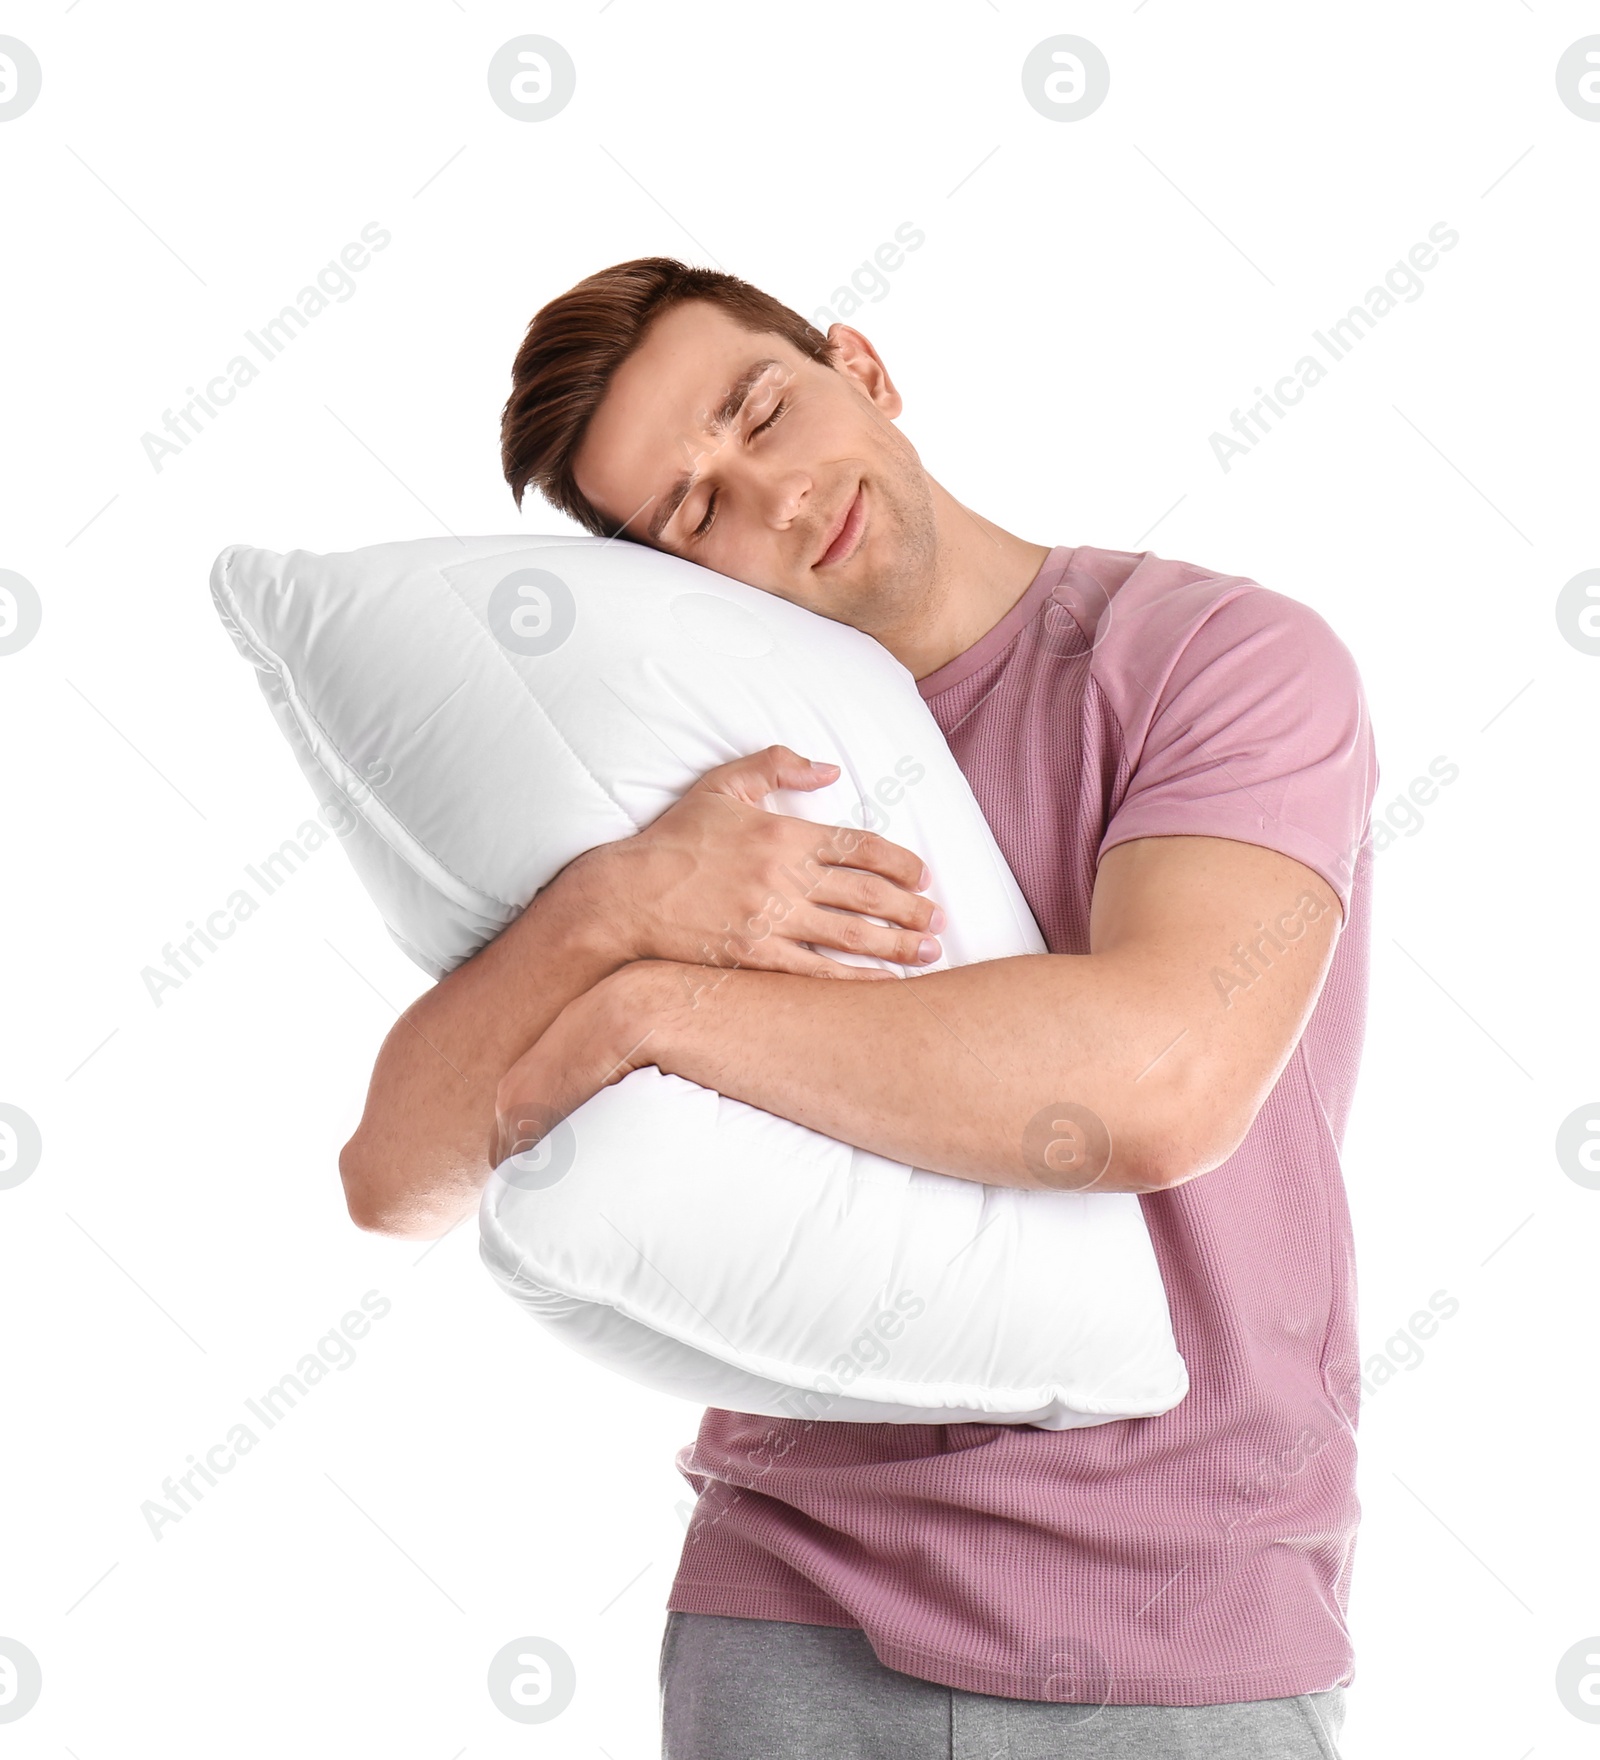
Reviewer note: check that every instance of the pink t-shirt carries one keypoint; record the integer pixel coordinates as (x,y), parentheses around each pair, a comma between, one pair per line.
(1200,1557)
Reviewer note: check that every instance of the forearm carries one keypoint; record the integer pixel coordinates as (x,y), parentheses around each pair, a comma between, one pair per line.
(699,884)
(1130,1068)
(1040,1071)
(423,1150)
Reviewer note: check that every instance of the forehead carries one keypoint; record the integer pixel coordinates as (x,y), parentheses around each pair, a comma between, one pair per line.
(662,400)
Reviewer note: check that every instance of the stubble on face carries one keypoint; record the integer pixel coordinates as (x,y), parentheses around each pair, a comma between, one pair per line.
(887,586)
(900,591)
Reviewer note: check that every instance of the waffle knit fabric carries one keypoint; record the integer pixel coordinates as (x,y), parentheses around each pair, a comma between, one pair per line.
(1200,1557)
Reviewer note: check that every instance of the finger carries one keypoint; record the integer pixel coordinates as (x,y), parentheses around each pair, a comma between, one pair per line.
(789,956)
(869,895)
(774,952)
(762,773)
(849,933)
(843,846)
(836,968)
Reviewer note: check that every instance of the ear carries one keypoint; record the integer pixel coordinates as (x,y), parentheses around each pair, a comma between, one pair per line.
(861,363)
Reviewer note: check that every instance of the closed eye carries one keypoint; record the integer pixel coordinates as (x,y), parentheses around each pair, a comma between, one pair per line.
(711,505)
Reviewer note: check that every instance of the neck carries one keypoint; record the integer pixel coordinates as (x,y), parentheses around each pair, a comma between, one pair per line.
(980,572)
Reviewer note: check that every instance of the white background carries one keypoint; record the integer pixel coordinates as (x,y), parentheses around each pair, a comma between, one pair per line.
(1092,301)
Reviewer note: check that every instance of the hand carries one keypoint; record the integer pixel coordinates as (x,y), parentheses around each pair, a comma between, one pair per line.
(623,1023)
(718,880)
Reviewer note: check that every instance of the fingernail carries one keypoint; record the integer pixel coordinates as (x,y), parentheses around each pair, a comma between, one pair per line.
(939,919)
(927,878)
(927,949)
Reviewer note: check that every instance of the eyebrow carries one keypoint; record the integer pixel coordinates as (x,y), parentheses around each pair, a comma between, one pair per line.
(722,418)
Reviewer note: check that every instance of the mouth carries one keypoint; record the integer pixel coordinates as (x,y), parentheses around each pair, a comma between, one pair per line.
(845,535)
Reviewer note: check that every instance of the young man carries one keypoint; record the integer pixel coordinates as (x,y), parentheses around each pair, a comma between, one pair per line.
(1179,769)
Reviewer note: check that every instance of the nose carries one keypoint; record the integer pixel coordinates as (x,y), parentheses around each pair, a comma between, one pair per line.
(781,497)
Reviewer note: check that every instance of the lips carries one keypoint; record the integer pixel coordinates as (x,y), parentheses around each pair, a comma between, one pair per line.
(845,533)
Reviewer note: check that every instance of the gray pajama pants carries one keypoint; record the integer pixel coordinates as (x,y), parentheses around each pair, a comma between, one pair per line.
(767,1689)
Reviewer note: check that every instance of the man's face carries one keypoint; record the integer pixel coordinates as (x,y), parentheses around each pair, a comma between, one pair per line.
(732,449)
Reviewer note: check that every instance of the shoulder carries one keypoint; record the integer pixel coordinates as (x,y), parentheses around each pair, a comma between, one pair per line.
(1117,594)
(1241,713)
(1160,627)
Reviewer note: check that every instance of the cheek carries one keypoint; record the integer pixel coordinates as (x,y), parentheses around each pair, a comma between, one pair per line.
(749,551)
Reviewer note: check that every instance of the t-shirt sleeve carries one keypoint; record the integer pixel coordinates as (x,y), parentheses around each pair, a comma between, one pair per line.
(1243,717)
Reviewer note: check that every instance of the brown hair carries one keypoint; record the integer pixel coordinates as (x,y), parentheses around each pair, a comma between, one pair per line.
(575,345)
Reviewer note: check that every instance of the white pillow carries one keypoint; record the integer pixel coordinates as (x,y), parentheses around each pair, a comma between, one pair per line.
(489,708)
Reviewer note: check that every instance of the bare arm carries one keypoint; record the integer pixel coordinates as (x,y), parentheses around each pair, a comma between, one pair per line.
(1133,1067)
(420,1154)
(717,881)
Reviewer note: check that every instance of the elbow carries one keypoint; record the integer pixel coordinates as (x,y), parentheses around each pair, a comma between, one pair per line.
(377,1204)
(1162,1163)
(361,1193)
(1183,1150)
(1177,1144)
(370,1203)
(1152,1161)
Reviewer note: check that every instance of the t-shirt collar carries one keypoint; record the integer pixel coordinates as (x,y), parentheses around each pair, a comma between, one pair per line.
(995,640)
